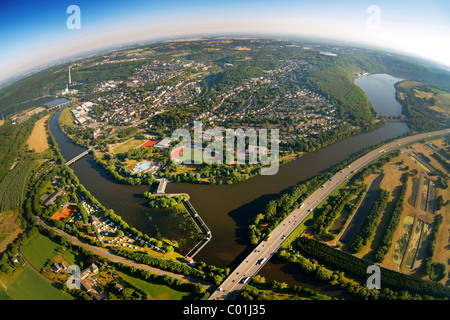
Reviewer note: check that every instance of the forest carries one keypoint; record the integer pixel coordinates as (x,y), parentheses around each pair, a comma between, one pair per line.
(370,222)
(353,265)
(420,117)
(388,236)
(336,84)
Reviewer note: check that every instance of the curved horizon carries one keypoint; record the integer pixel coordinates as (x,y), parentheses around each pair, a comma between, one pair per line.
(35,35)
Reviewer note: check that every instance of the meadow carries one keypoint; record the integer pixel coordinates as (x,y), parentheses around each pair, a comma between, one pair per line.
(29,285)
(13,184)
(156,291)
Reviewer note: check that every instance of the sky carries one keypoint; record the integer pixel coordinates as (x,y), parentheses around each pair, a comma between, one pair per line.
(33,33)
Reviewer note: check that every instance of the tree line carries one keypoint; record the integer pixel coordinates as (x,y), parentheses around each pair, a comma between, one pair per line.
(213,274)
(424,289)
(388,236)
(370,222)
(330,212)
(427,261)
(163,201)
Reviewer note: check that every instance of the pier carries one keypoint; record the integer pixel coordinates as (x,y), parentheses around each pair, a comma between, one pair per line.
(162,186)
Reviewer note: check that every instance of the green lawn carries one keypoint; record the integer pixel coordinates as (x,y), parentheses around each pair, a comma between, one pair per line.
(157,291)
(31,286)
(128,145)
(39,249)
(13,184)
(3,295)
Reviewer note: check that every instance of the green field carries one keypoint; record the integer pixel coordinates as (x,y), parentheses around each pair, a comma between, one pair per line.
(128,145)
(31,286)
(13,184)
(437,91)
(4,295)
(39,249)
(66,118)
(157,291)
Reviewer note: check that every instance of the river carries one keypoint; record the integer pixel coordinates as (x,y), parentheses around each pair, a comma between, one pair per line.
(373,85)
(226,209)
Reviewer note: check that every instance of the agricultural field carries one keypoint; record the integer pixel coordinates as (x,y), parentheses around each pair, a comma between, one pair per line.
(39,249)
(412,238)
(30,285)
(9,228)
(439,100)
(410,84)
(38,140)
(156,291)
(3,295)
(42,252)
(27,282)
(412,235)
(13,184)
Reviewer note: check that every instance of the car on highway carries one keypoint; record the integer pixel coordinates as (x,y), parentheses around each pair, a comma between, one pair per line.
(245,280)
(261,261)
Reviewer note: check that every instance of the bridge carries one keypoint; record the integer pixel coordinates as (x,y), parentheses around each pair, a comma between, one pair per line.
(78,157)
(201,225)
(395,118)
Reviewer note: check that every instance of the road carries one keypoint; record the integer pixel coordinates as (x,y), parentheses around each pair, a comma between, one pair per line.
(251,265)
(115,258)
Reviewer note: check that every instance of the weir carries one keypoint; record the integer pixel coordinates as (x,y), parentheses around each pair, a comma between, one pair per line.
(201,225)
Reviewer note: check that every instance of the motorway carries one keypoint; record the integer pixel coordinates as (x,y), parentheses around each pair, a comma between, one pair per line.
(250,266)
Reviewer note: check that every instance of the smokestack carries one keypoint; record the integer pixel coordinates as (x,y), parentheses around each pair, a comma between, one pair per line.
(70,80)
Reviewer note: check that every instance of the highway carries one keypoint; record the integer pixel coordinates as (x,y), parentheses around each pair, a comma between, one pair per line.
(250,266)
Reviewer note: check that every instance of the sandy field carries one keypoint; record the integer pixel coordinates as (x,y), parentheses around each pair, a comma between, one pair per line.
(38,138)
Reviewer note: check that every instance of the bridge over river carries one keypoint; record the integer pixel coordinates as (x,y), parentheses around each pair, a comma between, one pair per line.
(81,155)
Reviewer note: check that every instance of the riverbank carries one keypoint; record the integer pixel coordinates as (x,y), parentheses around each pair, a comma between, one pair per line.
(226,209)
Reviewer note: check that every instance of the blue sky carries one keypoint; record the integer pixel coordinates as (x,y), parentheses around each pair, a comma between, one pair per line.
(33,33)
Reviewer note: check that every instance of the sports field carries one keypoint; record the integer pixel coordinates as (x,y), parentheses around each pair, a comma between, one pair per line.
(189,155)
(127,145)
(149,143)
(62,215)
